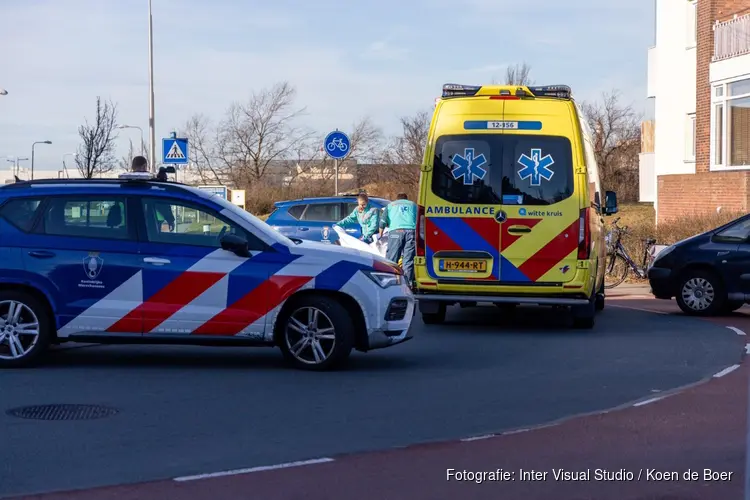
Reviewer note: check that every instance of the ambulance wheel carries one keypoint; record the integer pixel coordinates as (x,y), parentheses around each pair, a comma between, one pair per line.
(600,299)
(584,317)
(435,318)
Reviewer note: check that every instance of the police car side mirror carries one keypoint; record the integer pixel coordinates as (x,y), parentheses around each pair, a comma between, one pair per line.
(236,244)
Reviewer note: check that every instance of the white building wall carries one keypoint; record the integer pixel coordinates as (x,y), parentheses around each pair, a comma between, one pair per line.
(730,68)
(674,87)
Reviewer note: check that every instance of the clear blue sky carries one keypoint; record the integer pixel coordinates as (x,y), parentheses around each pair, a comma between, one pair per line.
(379,59)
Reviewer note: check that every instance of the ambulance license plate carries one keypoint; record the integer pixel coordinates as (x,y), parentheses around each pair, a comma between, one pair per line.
(463,265)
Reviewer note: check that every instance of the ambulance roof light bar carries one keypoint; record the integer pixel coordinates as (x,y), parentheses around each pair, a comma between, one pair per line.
(557,91)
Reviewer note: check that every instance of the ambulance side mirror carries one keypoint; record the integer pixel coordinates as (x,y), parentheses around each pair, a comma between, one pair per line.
(610,203)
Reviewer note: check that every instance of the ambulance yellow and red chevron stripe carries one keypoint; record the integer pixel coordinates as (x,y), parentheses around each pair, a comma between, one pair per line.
(484,234)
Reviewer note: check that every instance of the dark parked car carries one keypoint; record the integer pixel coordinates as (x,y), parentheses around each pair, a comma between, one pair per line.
(708,274)
(313,218)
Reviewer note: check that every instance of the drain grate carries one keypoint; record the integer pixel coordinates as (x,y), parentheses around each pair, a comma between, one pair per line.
(62,412)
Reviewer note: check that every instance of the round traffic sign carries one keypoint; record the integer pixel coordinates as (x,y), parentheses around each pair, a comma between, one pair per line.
(336,145)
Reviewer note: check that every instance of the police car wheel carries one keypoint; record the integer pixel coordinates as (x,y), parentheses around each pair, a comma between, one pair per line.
(316,333)
(25,329)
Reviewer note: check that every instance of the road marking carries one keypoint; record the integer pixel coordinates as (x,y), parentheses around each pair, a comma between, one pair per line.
(736,330)
(478,438)
(649,401)
(254,469)
(639,309)
(726,371)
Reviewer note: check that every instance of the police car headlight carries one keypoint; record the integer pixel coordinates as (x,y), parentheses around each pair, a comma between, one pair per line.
(385,280)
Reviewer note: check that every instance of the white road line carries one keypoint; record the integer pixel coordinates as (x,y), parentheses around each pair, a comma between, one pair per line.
(736,330)
(254,469)
(726,371)
(477,438)
(649,401)
(517,431)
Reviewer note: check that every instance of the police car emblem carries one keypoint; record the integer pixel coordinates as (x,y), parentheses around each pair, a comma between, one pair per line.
(92,265)
(500,216)
(325,232)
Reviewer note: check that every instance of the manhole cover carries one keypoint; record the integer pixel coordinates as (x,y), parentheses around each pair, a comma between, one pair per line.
(62,412)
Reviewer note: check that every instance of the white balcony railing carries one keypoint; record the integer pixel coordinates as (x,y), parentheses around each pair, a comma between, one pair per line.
(732,38)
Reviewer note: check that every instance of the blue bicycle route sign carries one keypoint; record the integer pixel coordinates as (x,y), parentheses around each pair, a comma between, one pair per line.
(337,145)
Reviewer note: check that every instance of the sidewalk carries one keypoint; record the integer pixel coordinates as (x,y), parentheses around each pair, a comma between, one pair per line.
(628,289)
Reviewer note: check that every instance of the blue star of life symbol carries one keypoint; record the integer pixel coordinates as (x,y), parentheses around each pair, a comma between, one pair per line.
(468,166)
(536,167)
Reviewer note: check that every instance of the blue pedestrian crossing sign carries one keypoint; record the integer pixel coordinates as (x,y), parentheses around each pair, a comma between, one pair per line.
(174,151)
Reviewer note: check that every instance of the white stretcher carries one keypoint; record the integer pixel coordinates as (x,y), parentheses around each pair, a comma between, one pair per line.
(379,246)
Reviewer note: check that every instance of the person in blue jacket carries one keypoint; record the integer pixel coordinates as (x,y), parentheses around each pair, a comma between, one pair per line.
(400,217)
(366,215)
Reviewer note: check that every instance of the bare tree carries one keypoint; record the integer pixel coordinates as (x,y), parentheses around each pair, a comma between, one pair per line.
(518,74)
(616,140)
(96,154)
(404,155)
(126,161)
(204,157)
(258,133)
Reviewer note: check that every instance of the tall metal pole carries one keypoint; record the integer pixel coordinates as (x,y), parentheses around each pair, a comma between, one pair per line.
(336,181)
(151,122)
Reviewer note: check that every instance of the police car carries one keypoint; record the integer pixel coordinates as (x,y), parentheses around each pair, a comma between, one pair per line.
(141,260)
(313,218)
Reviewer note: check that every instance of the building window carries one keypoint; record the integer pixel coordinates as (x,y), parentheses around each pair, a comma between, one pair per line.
(692,24)
(690,137)
(730,124)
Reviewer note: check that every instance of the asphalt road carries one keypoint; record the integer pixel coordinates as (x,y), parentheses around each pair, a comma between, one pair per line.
(186,411)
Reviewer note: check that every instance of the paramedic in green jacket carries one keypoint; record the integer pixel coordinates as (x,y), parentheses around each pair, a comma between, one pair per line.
(400,217)
(366,214)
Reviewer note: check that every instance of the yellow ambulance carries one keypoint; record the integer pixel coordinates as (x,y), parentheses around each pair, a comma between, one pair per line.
(510,204)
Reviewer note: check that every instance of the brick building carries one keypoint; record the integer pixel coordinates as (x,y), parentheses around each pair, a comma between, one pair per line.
(699,78)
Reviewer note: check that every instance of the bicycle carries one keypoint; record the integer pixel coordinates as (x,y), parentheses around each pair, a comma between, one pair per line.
(337,143)
(619,263)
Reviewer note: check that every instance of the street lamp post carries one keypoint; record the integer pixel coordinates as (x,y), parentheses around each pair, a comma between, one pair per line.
(32,155)
(151,121)
(15,162)
(139,128)
(65,167)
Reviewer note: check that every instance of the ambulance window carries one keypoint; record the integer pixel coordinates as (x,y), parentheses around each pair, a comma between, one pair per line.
(538,169)
(463,169)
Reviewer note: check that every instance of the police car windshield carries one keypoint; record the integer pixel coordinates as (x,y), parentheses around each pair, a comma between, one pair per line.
(250,218)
